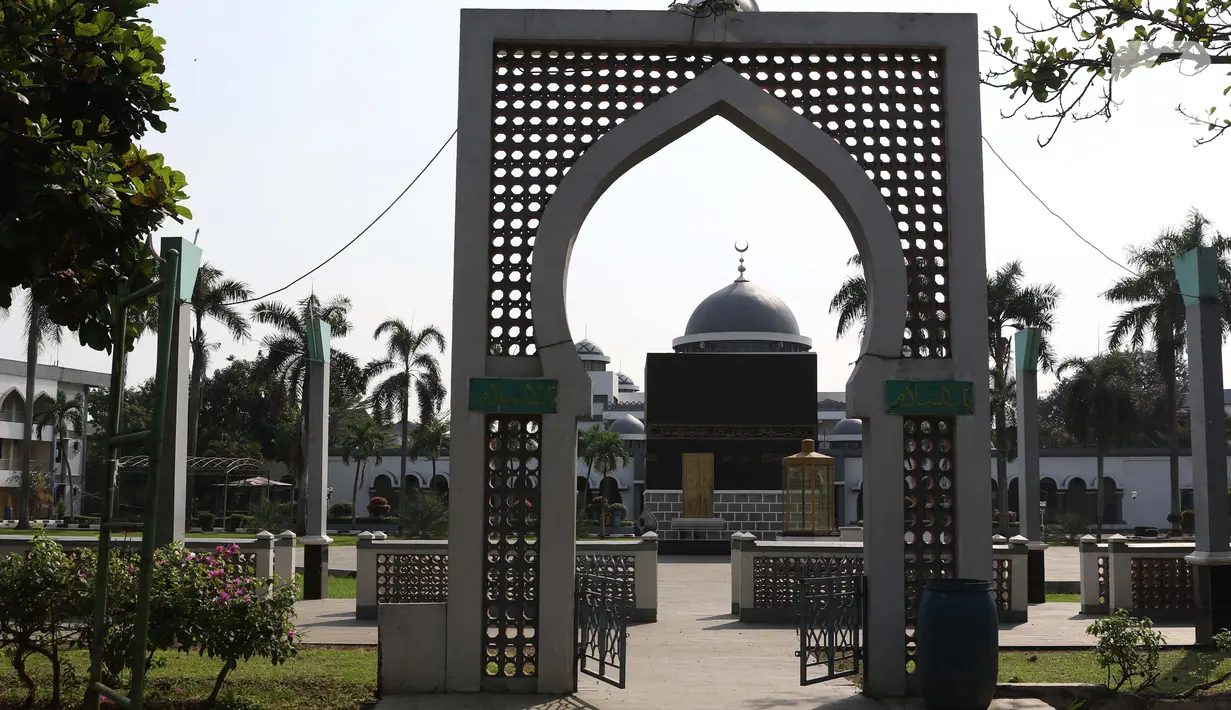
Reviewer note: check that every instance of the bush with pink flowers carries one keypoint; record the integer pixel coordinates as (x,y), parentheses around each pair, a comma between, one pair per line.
(211,604)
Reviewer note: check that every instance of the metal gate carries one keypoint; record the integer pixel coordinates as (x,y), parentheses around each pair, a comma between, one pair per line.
(831,613)
(602,628)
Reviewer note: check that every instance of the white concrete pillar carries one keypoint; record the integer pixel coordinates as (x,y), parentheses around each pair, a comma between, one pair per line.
(1199,280)
(1088,554)
(1119,574)
(173,460)
(884,556)
(1019,548)
(736,537)
(645,589)
(284,558)
(365,576)
(314,496)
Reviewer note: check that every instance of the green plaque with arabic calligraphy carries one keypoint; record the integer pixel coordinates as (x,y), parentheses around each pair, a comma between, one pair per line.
(501,395)
(929,397)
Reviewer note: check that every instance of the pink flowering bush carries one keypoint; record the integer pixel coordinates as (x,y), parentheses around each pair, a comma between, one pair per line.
(209,603)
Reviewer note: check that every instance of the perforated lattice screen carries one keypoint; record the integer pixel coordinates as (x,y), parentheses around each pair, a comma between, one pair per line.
(884,107)
(511,552)
(930,503)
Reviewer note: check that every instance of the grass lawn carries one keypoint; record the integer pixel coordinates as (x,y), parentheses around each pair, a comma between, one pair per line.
(339,587)
(1181,669)
(322,678)
(1067,598)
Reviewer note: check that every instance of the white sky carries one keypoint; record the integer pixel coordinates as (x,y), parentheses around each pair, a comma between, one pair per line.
(299,123)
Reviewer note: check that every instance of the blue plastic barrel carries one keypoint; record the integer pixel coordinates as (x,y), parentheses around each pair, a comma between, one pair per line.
(957,643)
(8,512)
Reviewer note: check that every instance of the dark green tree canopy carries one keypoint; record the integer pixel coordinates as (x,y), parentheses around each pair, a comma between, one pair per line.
(80,84)
(1066,64)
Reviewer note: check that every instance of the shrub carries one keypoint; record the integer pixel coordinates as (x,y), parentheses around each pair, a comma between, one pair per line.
(1173,518)
(1070,526)
(1127,647)
(274,517)
(425,518)
(203,603)
(1188,520)
(341,510)
(378,507)
(39,593)
(236,521)
(206,520)
(618,509)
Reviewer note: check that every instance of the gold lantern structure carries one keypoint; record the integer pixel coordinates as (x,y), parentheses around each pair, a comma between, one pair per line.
(807,487)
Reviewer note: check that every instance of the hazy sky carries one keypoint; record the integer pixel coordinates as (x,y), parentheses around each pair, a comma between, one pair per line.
(298,123)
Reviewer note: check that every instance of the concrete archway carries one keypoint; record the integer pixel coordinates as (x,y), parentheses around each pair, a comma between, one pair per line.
(723,92)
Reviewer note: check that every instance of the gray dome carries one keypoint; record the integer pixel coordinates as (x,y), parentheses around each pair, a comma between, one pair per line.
(588,347)
(742,307)
(625,379)
(847,427)
(627,424)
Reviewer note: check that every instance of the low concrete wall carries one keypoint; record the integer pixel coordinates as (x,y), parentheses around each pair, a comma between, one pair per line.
(765,575)
(417,571)
(411,648)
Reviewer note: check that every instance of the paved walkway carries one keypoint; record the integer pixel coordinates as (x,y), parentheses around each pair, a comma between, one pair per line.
(1061,562)
(342,558)
(696,656)
(694,601)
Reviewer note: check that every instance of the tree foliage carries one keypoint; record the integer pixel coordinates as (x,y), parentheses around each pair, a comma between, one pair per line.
(80,84)
(1065,66)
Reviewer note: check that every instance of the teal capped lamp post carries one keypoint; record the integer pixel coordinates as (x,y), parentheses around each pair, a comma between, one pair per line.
(1197,274)
(1027,349)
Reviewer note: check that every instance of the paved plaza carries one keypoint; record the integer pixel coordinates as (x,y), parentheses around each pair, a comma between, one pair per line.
(699,656)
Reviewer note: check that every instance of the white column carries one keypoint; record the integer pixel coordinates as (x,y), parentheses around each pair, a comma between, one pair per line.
(645,590)
(1119,574)
(284,557)
(885,555)
(1088,551)
(314,496)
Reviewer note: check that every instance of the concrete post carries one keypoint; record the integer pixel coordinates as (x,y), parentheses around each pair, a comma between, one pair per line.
(1197,273)
(365,576)
(1087,572)
(173,464)
(262,555)
(736,537)
(313,498)
(1027,347)
(284,558)
(1019,580)
(646,582)
(1119,574)
(884,552)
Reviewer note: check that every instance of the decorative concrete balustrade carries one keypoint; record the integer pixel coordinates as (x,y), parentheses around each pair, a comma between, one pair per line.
(417,572)
(1144,578)
(255,553)
(766,574)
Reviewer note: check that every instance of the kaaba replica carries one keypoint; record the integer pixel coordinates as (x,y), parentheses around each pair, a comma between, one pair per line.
(736,397)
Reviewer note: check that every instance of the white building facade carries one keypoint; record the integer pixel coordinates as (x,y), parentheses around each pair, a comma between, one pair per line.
(48,380)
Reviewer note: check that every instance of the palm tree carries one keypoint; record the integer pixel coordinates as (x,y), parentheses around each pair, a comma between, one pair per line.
(284,361)
(851,301)
(1010,304)
(586,443)
(1156,312)
(603,451)
(40,332)
(1099,410)
(363,439)
(1015,305)
(416,370)
(432,438)
(211,298)
(65,417)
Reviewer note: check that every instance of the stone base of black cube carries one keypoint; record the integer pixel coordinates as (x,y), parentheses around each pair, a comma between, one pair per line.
(315,570)
(1211,600)
(1036,576)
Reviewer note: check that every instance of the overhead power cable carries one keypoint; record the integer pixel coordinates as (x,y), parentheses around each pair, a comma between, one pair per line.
(362,232)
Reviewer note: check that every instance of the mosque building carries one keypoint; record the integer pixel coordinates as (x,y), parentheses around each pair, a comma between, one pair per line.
(737,435)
